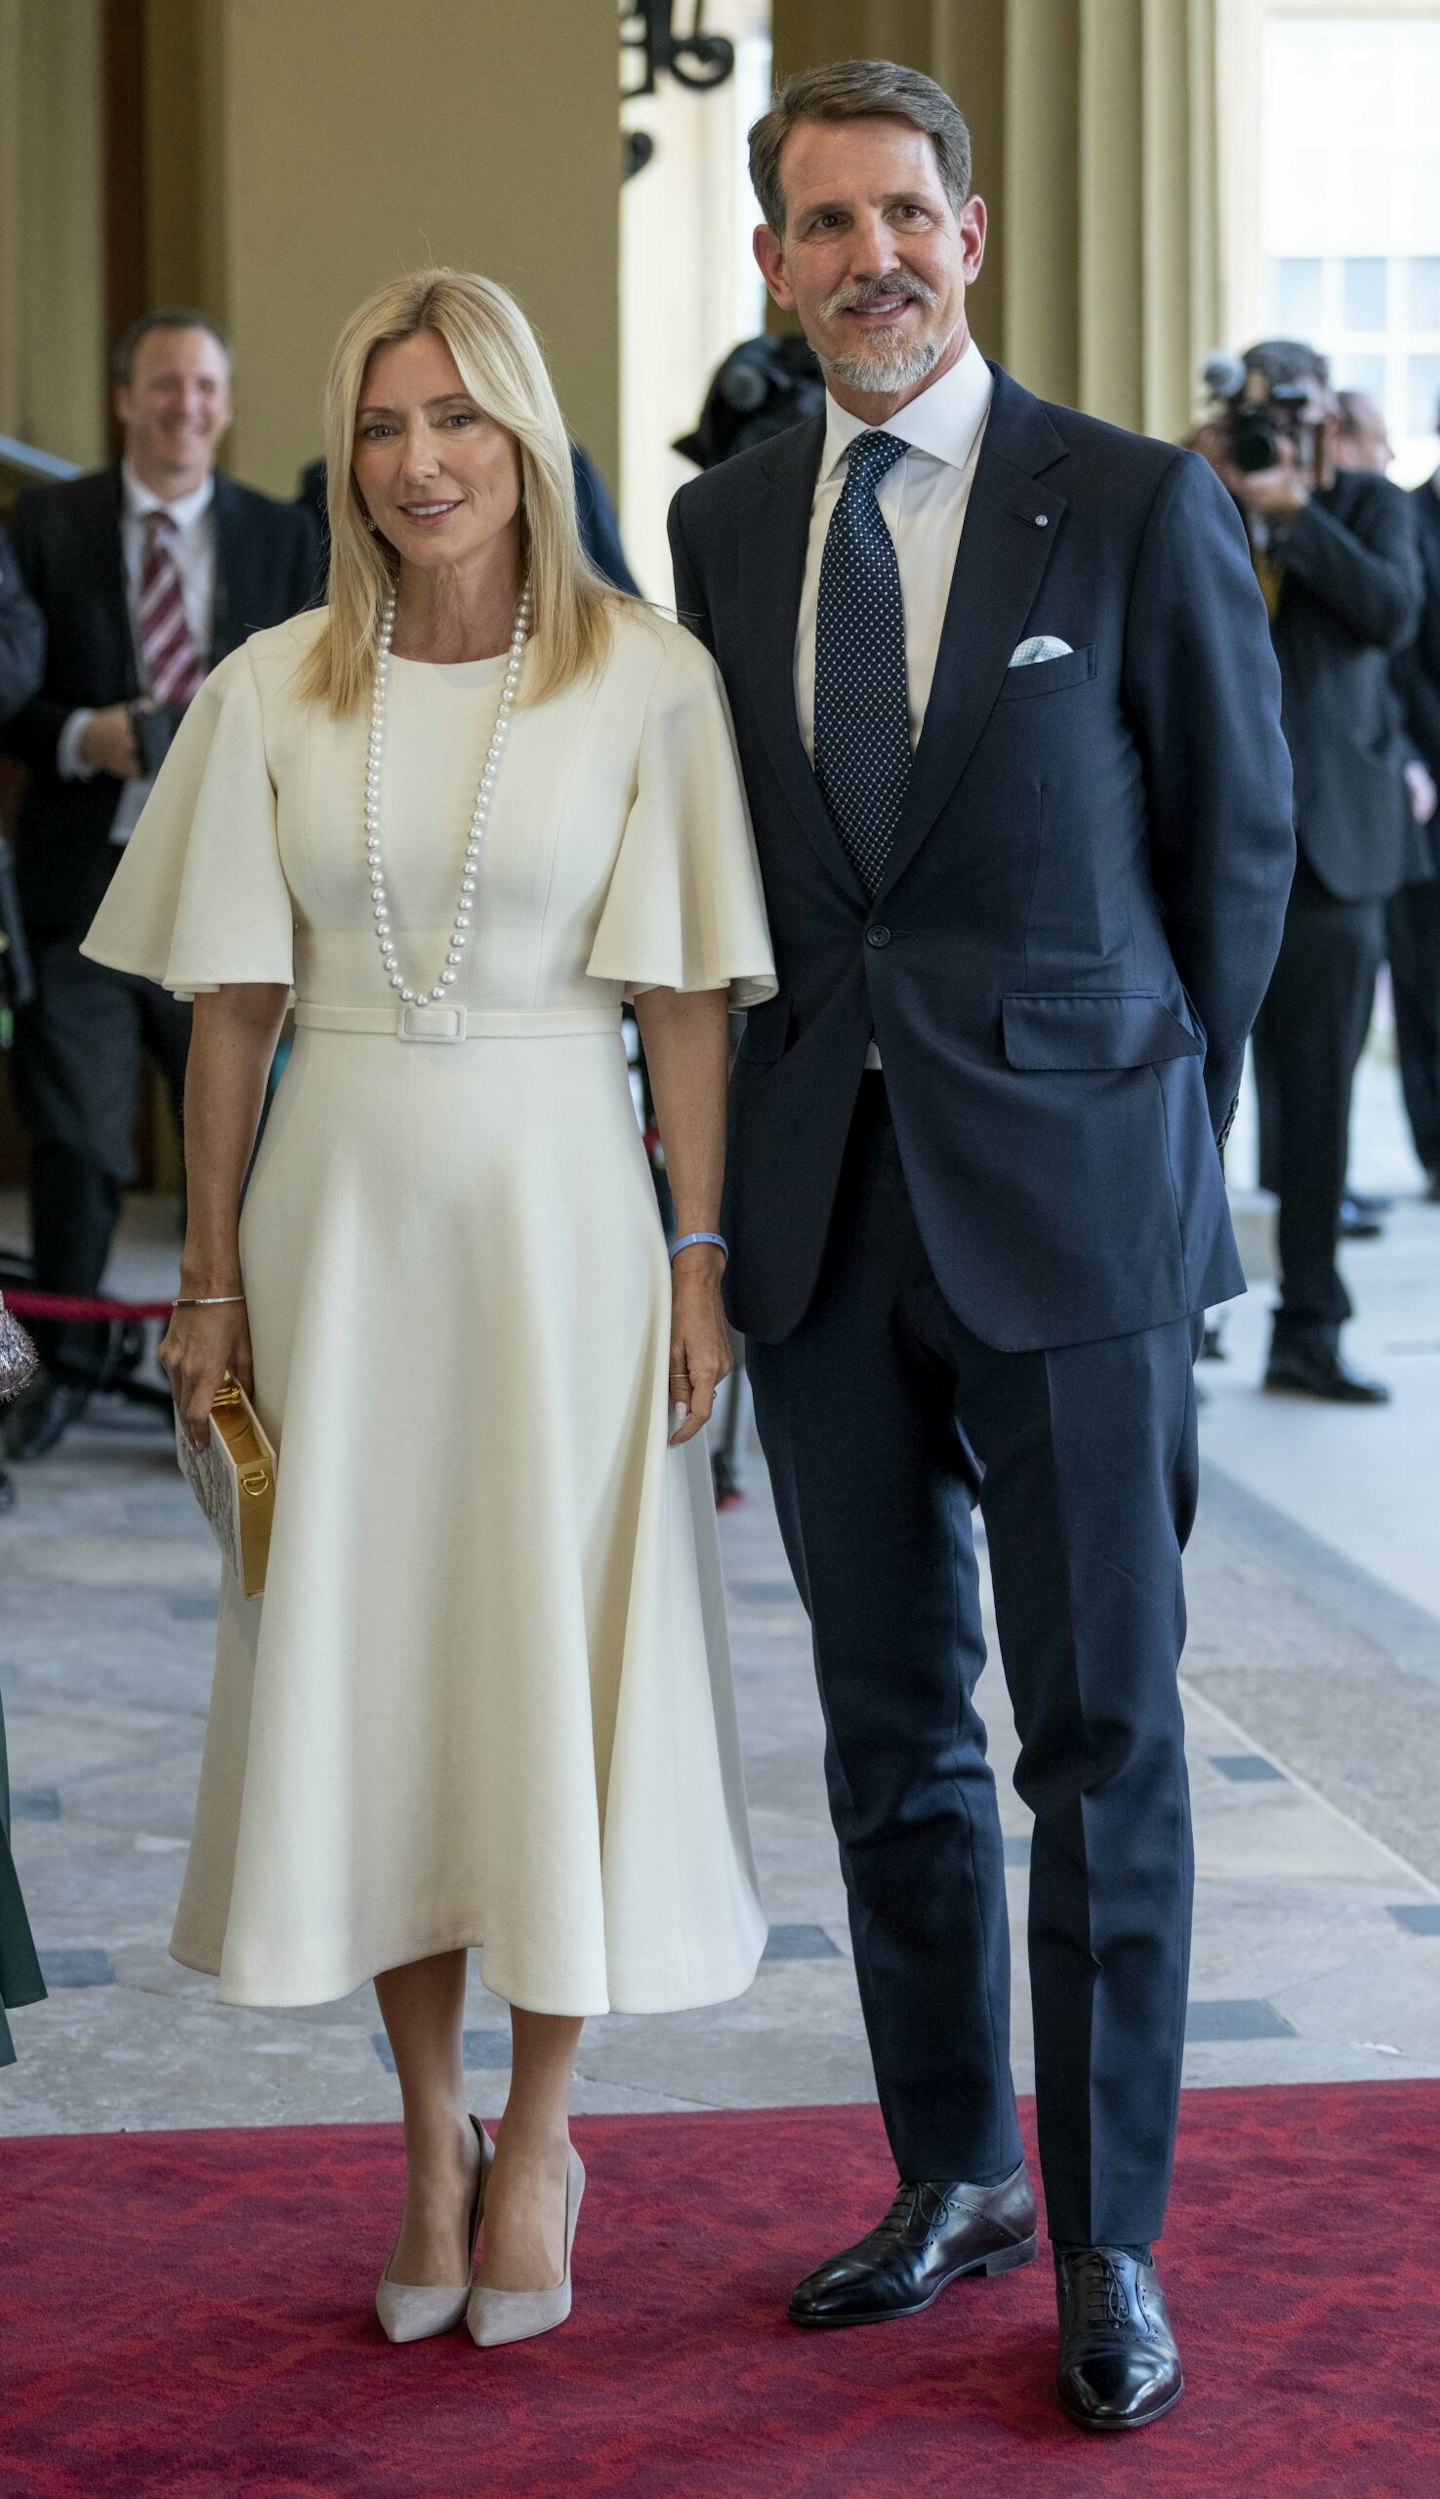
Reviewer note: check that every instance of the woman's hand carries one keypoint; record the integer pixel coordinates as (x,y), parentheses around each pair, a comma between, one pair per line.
(195,1352)
(699,1340)
(685,1038)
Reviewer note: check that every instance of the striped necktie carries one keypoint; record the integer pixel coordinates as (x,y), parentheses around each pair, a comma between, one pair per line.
(173,667)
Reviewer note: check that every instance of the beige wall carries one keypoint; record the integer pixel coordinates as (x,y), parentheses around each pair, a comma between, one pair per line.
(336,143)
(183,159)
(52,344)
(1094,130)
(297,152)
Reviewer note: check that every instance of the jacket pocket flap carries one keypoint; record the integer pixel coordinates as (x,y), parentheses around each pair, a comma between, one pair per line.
(767,1029)
(1054,1029)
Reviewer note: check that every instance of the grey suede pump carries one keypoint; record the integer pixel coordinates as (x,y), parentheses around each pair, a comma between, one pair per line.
(513,2316)
(410,2310)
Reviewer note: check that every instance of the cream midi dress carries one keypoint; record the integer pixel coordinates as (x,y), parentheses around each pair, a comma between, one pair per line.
(485,1698)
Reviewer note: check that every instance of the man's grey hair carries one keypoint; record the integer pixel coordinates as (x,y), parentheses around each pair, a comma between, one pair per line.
(1286,360)
(852,91)
(165,317)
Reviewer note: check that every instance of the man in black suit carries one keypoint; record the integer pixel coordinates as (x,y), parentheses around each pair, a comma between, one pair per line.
(1009,722)
(1335,551)
(146,575)
(1412,918)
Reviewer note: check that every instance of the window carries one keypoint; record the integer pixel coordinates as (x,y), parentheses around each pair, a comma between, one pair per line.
(1350,210)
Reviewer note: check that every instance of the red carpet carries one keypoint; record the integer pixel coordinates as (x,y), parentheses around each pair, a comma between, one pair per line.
(189,2315)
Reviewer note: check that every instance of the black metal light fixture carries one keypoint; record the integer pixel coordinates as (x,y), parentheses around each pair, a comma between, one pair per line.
(695,60)
(698,60)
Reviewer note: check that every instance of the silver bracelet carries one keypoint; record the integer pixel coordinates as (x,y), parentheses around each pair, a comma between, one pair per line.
(205,1301)
(690,1240)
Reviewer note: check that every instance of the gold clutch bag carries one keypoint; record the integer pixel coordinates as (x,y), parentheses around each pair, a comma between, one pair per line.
(234,1482)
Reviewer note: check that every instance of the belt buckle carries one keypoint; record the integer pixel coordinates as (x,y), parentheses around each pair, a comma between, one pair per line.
(427,1023)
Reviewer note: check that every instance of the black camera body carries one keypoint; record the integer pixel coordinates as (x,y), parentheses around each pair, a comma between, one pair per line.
(154,727)
(1263,419)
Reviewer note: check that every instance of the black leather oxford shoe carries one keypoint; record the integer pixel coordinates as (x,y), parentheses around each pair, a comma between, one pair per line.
(935,2230)
(1119,2367)
(39,1420)
(1307,1371)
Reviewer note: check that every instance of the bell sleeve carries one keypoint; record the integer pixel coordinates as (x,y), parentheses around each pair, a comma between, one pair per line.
(199,898)
(685,908)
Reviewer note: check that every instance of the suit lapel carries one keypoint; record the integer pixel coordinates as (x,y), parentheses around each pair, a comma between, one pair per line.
(108,556)
(774,535)
(1011,526)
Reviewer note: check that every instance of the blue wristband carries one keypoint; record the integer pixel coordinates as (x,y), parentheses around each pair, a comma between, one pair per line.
(689,1240)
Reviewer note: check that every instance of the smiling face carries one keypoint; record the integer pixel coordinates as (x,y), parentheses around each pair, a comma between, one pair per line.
(174,409)
(873,258)
(438,477)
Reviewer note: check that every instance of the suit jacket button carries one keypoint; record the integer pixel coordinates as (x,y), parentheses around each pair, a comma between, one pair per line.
(879,935)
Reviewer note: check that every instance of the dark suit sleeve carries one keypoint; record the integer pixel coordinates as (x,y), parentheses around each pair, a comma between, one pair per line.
(1203,690)
(306,583)
(599,524)
(1366,568)
(33,733)
(22,636)
(689,597)
(1419,685)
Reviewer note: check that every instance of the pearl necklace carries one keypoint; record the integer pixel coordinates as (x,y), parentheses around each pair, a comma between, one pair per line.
(379,892)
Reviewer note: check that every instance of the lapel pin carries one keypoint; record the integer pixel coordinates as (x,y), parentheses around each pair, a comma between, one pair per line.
(1042,520)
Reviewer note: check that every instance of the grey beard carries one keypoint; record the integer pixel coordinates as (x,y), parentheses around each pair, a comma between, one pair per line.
(885,369)
(888,368)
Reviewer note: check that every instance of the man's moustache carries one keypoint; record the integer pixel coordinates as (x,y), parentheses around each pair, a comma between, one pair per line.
(866,292)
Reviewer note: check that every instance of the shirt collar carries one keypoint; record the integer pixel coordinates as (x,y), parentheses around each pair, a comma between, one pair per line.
(139,500)
(944,420)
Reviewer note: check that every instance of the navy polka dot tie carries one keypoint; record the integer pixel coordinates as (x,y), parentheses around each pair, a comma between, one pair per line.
(862,707)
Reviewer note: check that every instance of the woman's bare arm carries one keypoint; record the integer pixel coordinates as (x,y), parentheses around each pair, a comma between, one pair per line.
(231,1047)
(685,1035)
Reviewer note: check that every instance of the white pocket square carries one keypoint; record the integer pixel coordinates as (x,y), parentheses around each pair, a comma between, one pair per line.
(1039,646)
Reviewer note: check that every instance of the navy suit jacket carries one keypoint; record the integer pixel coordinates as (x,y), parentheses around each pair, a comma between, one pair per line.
(1081,908)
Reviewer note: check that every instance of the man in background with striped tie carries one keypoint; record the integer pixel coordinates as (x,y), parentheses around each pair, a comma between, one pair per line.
(147,574)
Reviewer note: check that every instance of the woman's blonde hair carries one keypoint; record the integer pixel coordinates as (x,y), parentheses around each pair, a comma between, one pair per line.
(499,361)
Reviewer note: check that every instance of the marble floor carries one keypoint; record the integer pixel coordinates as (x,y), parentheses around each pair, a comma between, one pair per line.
(1312,1690)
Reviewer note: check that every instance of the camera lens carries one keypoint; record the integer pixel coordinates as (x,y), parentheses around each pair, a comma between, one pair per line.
(1254,445)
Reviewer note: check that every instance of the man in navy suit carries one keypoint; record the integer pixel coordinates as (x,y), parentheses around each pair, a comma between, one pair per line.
(1009,720)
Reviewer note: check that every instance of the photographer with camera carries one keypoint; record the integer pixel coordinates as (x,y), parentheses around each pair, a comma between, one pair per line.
(1334,552)
(146,575)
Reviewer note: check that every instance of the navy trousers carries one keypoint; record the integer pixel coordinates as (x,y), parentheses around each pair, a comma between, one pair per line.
(884,1420)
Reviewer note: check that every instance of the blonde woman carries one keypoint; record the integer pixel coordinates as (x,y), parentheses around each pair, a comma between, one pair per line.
(485,1699)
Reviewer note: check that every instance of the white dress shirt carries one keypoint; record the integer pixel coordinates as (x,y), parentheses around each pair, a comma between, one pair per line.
(193,547)
(924,499)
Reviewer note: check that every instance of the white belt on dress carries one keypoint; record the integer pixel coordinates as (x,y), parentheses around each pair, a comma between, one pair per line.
(457,1023)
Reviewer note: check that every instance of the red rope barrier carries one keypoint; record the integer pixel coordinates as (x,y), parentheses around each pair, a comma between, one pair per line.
(27,1305)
